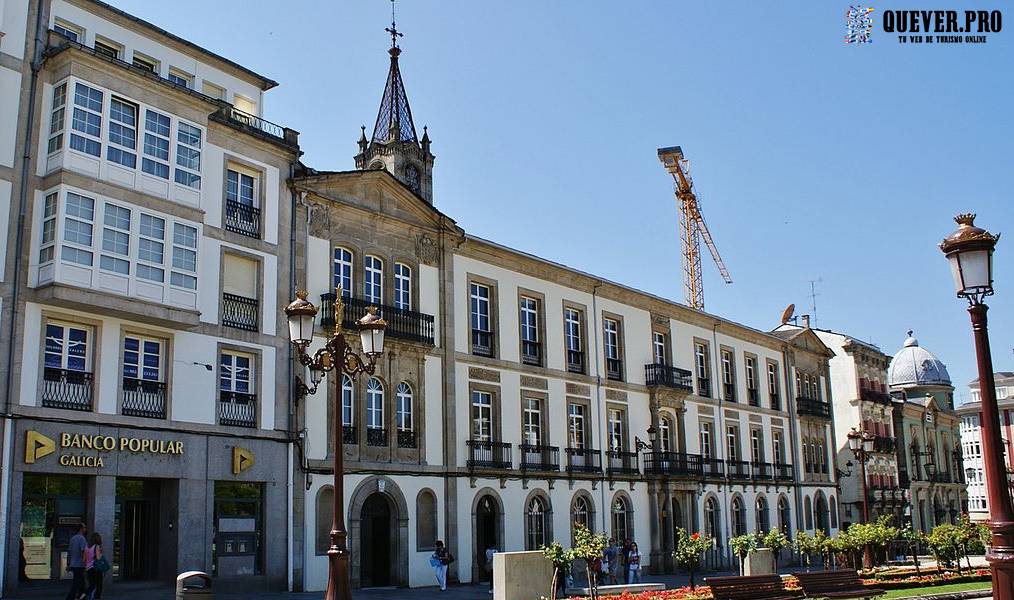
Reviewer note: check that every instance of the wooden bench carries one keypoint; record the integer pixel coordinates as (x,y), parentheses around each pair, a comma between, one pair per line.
(751,587)
(835,584)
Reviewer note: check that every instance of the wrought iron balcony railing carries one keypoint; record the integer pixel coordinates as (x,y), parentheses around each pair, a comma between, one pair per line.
(875,396)
(729,392)
(531,353)
(67,388)
(762,470)
(704,387)
(376,436)
(539,458)
(237,409)
(402,324)
(242,218)
(407,439)
(671,377)
(620,462)
(783,472)
(575,361)
(486,454)
(753,396)
(584,460)
(350,435)
(738,469)
(614,369)
(883,443)
(673,464)
(240,312)
(482,343)
(813,408)
(144,398)
(713,468)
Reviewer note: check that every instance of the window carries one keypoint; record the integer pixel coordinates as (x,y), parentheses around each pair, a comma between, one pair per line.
(188,155)
(237,403)
(403,414)
(763,518)
(48,239)
(142,358)
(324,515)
(69,31)
(773,387)
(712,520)
(151,248)
(145,62)
(184,273)
(702,363)
(239,188)
(535,524)
(776,443)
(756,446)
(348,408)
(580,514)
(107,48)
(621,518)
(617,441)
(784,516)
(115,240)
(66,347)
(122,133)
(343,271)
(374,404)
(706,447)
(87,120)
(236,373)
(611,341)
(156,144)
(181,78)
(738,516)
(402,286)
(576,425)
(733,442)
(572,335)
(57,118)
(532,426)
(665,434)
(750,364)
(373,284)
(482,336)
(529,320)
(241,212)
(215,91)
(77,229)
(426,520)
(244,104)
(482,416)
(808,513)
(728,376)
(658,344)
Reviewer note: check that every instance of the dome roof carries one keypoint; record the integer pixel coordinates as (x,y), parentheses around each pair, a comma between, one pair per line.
(913,365)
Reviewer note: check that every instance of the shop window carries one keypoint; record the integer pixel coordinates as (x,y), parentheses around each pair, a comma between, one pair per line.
(51,508)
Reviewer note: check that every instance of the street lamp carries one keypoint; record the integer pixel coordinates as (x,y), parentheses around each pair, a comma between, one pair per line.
(337,356)
(970,252)
(861,444)
(640,445)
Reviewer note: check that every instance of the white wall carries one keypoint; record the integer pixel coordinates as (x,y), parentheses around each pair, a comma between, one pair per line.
(10,98)
(13,24)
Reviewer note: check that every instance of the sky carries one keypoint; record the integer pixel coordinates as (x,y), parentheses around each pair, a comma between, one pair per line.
(814,160)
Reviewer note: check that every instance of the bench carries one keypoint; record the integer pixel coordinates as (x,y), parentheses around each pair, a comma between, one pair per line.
(609,590)
(835,584)
(751,587)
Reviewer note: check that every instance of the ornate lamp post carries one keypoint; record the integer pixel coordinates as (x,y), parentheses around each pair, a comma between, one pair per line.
(861,444)
(970,252)
(337,356)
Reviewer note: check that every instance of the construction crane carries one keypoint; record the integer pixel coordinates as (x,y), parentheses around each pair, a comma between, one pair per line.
(692,227)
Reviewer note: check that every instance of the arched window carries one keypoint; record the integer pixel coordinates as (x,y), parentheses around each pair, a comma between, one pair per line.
(402,286)
(426,520)
(763,518)
(348,411)
(373,283)
(403,417)
(343,270)
(374,406)
(580,514)
(325,518)
(784,516)
(834,512)
(738,516)
(808,513)
(712,520)
(621,518)
(820,513)
(535,524)
(665,434)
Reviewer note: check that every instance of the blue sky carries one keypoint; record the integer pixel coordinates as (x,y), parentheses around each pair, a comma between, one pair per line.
(814,160)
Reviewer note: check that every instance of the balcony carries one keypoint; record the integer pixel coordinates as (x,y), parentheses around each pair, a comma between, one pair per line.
(614,369)
(237,409)
(486,454)
(376,437)
(239,312)
(875,396)
(729,392)
(539,458)
(713,468)
(619,462)
(669,377)
(143,398)
(66,388)
(531,353)
(242,218)
(762,470)
(402,324)
(407,439)
(482,343)
(775,401)
(753,396)
(256,125)
(813,408)
(677,464)
(783,472)
(575,361)
(704,387)
(941,478)
(583,460)
(350,435)
(738,469)
(883,443)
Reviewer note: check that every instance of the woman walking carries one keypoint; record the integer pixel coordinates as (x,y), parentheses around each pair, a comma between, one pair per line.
(440,559)
(634,564)
(96,566)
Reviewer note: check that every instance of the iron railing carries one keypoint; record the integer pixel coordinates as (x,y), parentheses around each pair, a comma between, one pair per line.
(762,470)
(783,472)
(144,398)
(350,435)
(584,460)
(812,407)
(539,458)
(575,361)
(738,469)
(670,377)
(673,463)
(753,396)
(614,369)
(704,387)
(376,436)
(620,462)
(482,343)
(712,468)
(486,454)
(67,388)
(407,438)
(883,443)
(240,312)
(402,324)
(531,353)
(254,122)
(944,477)
(729,392)
(242,218)
(237,409)
(776,401)
(875,396)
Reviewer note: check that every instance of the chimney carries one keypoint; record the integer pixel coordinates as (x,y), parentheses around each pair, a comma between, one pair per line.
(806,321)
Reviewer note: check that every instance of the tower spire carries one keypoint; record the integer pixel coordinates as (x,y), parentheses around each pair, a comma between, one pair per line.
(394,120)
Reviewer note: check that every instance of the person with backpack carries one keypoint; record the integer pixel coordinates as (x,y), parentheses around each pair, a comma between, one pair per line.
(96,566)
(441,558)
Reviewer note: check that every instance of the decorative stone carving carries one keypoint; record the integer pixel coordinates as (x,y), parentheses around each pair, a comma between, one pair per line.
(661,320)
(484,374)
(534,382)
(618,395)
(578,389)
(671,399)
(426,249)
(320,220)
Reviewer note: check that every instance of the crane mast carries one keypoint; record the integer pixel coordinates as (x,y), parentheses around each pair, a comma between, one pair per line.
(692,227)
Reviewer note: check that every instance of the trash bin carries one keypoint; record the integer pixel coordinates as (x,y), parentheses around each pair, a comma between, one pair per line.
(197,588)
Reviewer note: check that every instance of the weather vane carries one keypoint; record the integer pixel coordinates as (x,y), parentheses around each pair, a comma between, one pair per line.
(393,29)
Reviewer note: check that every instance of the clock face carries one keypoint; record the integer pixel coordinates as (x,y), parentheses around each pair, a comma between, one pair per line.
(412,177)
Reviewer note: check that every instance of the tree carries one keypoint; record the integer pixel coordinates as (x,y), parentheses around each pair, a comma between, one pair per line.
(775,539)
(689,548)
(945,542)
(741,546)
(913,539)
(805,546)
(561,560)
(589,547)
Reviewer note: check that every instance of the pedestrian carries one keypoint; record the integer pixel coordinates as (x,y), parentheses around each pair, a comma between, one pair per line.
(490,551)
(441,558)
(76,563)
(613,556)
(624,552)
(634,564)
(96,566)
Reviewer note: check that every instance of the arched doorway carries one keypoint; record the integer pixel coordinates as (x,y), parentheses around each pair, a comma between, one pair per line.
(488,532)
(376,541)
(821,514)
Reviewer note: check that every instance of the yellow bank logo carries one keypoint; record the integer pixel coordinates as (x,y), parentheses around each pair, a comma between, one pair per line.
(37,446)
(242,459)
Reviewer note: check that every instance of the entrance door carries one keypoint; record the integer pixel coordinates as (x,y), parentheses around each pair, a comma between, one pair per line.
(485,532)
(136,542)
(375,542)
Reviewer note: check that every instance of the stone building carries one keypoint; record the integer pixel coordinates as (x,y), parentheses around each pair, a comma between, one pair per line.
(971,441)
(147,257)
(928,436)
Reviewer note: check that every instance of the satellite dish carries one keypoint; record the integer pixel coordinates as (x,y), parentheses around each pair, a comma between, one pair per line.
(787,313)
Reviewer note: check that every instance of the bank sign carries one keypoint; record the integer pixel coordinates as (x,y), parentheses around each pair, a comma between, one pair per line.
(85,450)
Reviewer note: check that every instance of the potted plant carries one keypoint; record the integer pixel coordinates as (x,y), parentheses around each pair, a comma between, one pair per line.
(561,560)
(689,548)
(742,545)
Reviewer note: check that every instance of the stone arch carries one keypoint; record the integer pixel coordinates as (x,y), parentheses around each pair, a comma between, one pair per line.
(547,507)
(389,490)
(324,503)
(737,515)
(485,499)
(588,516)
(821,514)
(621,507)
(808,513)
(426,520)
(762,514)
(833,505)
(785,515)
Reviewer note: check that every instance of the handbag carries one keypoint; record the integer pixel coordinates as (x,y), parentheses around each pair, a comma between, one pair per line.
(101,564)
(434,561)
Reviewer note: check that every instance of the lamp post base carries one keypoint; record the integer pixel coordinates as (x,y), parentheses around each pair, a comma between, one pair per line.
(1001,559)
(338,585)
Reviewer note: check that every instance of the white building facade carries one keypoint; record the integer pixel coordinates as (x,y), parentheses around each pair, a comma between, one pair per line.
(971,441)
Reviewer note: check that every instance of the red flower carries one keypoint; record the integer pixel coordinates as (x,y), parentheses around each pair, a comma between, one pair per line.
(695,536)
